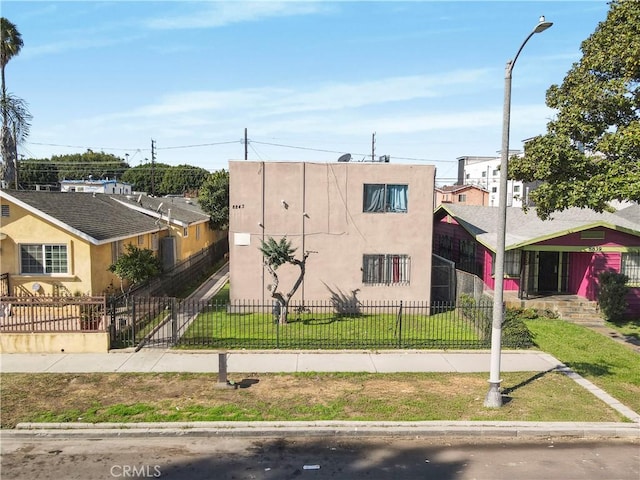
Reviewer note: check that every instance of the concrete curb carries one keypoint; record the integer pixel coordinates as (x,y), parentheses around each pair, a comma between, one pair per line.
(511,430)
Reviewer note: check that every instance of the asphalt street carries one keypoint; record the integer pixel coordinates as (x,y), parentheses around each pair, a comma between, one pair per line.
(381,458)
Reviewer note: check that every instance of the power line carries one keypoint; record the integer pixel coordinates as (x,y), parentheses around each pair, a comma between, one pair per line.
(357,154)
(199,145)
(241,141)
(85,147)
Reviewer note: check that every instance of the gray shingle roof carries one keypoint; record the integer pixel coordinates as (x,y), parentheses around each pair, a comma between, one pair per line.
(97,216)
(526,228)
(183,210)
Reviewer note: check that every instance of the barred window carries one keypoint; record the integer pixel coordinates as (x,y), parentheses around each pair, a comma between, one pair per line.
(631,266)
(511,263)
(43,259)
(445,246)
(467,255)
(389,269)
(116,250)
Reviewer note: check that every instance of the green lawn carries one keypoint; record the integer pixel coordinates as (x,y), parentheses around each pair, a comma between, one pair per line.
(248,327)
(216,327)
(612,366)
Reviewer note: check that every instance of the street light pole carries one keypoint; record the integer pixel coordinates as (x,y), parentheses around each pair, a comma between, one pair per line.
(494,397)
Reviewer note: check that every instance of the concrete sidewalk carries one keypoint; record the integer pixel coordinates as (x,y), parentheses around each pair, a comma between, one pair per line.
(151,360)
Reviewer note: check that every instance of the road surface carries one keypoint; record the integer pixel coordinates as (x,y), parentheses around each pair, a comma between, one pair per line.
(401,458)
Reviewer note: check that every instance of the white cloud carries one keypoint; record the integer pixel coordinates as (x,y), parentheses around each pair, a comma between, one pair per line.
(83,43)
(273,102)
(220,14)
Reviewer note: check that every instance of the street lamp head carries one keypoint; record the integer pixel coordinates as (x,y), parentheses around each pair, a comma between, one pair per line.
(542,25)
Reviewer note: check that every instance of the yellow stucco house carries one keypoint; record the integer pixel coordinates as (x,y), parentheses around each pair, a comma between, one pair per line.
(62,243)
(188,226)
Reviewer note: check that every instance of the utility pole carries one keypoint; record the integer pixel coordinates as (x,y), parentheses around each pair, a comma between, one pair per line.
(373,147)
(153,159)
(246,145)
(15,158)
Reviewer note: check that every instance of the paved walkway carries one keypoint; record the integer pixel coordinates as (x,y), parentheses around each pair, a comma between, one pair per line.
(155,360)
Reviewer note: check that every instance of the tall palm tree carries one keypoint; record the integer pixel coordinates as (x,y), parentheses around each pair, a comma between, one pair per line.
(10,45)
(15,115)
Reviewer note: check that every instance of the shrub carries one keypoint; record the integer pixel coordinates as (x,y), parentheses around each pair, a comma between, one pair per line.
(612,295)
(514,331)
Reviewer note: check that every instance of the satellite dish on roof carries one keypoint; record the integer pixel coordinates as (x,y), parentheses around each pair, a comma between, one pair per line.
(345,158)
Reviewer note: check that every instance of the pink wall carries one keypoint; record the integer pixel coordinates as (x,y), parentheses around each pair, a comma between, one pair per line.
(584,270)
(613,238)
(509,285)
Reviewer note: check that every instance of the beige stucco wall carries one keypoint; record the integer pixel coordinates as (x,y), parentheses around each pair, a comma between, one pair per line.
(318,206)
(94,342)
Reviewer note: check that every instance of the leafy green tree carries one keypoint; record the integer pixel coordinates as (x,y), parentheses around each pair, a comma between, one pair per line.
(141,176)
(182,179)
(15,112)
(214,198)
(35,171)
(135,267)
(275,254)
(78,166)
(590,154)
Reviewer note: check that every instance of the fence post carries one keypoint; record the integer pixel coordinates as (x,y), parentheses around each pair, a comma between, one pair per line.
(133,318)
(399,323)
(174,322)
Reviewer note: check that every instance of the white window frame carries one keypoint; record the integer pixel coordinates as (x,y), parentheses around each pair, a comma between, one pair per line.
(47,264)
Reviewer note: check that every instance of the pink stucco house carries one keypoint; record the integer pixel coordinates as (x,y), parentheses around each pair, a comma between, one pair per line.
(368,226)
(465,194)
(563,255)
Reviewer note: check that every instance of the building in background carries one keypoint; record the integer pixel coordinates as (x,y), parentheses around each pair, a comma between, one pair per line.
(484,172)
(96,186)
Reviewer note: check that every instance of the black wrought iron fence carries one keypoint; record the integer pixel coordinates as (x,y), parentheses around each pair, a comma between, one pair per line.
(170,322)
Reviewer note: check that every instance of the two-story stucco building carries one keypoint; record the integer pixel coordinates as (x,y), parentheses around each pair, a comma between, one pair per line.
(368,226)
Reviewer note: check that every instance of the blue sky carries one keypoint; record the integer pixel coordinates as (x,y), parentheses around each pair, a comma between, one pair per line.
(308,80)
